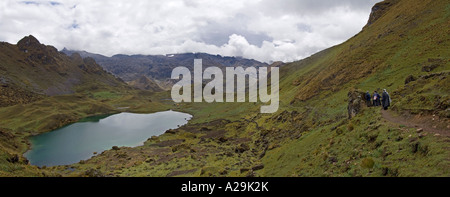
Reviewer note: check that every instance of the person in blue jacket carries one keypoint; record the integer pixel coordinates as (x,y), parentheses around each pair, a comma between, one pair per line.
(368,98)
(376,99)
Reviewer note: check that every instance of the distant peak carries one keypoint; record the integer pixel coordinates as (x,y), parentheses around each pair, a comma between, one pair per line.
(28,42)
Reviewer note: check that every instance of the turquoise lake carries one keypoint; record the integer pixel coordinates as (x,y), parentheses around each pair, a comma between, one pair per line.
(79,141)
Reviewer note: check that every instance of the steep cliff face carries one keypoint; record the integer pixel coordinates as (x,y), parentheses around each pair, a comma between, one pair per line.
(380,9)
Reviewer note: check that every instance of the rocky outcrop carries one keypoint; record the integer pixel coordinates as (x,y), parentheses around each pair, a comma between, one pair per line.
(29,43)
(409,79)
(36,51)
(432,64)
(379,9)
(355,102)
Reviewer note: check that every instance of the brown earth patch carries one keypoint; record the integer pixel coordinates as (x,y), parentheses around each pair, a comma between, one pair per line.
(429,123)
(180,172)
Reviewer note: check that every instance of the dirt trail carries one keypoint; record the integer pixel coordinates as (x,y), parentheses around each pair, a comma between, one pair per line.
(431,124)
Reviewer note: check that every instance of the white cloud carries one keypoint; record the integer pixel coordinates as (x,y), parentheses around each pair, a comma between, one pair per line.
(285,30)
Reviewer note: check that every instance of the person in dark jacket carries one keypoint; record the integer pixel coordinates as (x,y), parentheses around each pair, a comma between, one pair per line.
(376,99)
(368,98)
(379,99)
(386,99)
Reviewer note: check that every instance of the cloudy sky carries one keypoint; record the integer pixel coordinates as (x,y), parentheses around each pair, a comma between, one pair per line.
(265,30)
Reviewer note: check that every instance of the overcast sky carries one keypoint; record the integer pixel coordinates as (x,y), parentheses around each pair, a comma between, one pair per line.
(265,30)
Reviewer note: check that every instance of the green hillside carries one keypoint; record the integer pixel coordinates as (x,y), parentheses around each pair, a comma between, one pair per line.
(42,90)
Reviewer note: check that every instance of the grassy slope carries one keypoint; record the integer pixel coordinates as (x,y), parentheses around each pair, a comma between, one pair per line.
(394,47)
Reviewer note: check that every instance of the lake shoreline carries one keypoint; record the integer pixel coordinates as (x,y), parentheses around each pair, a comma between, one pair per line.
(95,119)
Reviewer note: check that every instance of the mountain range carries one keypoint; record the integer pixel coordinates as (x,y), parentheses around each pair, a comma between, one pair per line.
(158,68)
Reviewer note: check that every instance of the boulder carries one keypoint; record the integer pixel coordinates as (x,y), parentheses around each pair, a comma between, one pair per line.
(13,159)
(409,79)
(258,167)
(242,170)
(429,68)
(355,102)
(242,148)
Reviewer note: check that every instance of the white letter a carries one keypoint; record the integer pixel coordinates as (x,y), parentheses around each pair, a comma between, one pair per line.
(184,83)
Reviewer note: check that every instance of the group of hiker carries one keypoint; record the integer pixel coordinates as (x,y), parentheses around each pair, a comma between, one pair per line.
(376,100)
